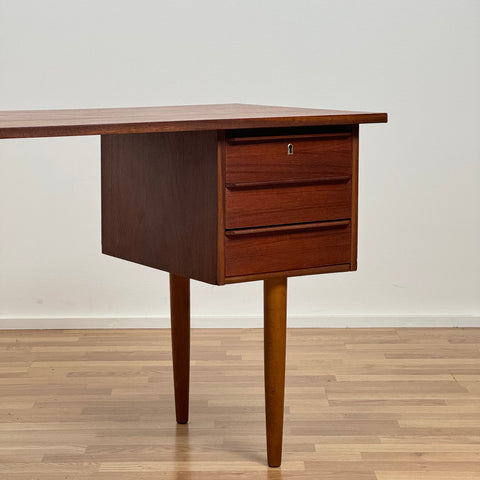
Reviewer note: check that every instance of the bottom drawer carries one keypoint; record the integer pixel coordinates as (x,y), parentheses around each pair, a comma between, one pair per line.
(291,247)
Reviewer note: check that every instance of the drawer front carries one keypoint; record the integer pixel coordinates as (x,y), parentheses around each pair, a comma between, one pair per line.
(269,161)
(279,249)
(253,207)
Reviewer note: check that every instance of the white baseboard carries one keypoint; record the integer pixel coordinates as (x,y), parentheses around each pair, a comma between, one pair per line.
(294,321)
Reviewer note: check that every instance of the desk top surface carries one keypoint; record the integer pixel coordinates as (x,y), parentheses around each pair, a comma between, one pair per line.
(100,121)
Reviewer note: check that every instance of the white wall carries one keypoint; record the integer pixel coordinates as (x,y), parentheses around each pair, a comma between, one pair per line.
(419,232)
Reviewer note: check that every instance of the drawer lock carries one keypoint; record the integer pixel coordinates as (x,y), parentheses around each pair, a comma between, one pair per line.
(290,149)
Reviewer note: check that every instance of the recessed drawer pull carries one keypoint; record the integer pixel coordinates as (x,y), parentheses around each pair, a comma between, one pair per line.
(303,227)
(290,183)
(276,138)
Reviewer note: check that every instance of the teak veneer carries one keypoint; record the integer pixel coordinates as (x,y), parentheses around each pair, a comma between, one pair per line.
(223,194)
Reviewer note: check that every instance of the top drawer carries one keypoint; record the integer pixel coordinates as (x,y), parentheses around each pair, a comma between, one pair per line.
(288,159)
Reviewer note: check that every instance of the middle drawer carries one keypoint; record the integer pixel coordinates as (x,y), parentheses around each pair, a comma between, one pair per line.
(256,207)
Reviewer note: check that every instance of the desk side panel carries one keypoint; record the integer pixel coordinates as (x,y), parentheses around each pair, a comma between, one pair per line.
(159,201)
(354,242)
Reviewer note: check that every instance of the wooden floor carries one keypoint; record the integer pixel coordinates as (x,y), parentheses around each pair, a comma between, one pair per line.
(361,404)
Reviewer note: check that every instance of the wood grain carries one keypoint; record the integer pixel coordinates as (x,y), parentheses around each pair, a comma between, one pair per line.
(345,267)
(287,204)
(256,251)
(275,337)
(98,405)
(159,201)
(354,214)
(265,159)
(180,328)
(300,227)
(221,207)
(107,121)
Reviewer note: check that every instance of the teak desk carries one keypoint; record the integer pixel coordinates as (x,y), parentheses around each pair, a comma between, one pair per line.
(223,194)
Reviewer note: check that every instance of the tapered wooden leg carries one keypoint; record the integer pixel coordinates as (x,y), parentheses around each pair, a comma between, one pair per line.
(180,320)
(275,329)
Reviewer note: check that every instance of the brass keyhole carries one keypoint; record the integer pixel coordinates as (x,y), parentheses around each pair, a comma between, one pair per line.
(290,149)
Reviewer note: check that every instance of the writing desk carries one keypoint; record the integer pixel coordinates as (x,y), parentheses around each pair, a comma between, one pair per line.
(223,194)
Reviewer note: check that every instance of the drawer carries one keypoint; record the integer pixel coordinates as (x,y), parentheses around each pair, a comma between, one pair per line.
(288,159)
(292,247)
(252,207)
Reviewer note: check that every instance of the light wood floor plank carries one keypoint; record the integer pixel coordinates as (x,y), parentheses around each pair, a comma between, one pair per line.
(360,404)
